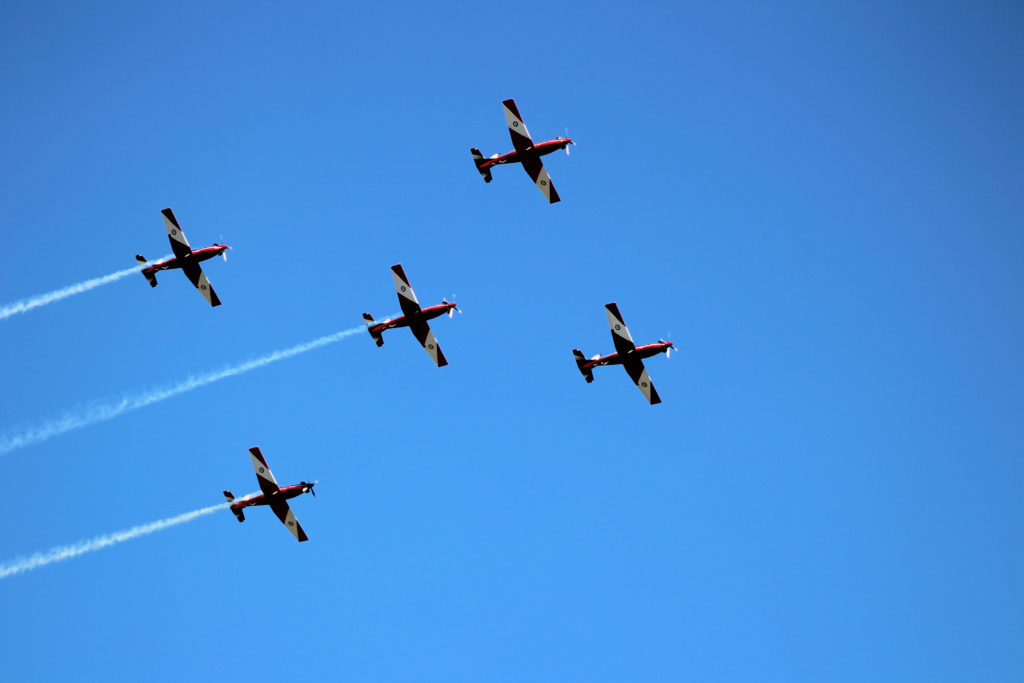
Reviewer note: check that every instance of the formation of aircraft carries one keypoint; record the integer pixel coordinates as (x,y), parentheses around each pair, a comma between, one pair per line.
(273,495)
(627,354)
(415,318)
(185,258)
(526,153)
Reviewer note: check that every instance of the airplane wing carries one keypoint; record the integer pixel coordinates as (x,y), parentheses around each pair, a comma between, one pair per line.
(535,169)
(194,273)
(620,334)
(179,245)
(521,139)
(406,297)
(266,478)
(285,514)
(638,373)
(430,345)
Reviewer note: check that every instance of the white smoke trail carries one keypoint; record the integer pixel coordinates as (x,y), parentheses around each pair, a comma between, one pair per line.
(84,416)
(61,553)
(42,299)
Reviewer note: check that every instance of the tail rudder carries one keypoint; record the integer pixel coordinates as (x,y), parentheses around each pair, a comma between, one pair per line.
(230,496)
(581,361)
(150,277)
(479,160)
(370,324)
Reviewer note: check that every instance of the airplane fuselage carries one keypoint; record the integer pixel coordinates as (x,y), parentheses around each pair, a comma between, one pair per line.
(538,150)
(639,353)
(424,315)
(197,256)
(284,493)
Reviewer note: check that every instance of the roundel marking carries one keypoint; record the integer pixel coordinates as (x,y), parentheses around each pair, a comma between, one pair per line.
(290,523)
(202,287)
(403,288)
(430,346)
(643,384)
(543,182)
(618,327)
(173,231)
(515,124)
(262,470)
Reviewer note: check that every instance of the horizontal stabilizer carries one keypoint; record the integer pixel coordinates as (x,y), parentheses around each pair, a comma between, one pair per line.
(370,324)
(479,160)
(150,277)
(238,512)
(581,361)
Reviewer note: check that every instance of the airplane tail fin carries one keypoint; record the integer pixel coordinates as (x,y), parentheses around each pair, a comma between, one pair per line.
(581,360)
(478,159)
(238,512)
(150,277)
(370,324)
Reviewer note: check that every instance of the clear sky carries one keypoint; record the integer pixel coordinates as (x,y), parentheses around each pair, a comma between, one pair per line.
(820,202)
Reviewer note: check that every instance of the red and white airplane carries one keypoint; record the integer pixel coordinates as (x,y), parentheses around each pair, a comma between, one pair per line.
(273,495)
(627,354)
(184,258)
(415,318)
(526,153)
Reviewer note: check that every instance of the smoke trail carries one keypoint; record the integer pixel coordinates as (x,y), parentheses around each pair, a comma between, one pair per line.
(60,553)
(42,299)
(84,416)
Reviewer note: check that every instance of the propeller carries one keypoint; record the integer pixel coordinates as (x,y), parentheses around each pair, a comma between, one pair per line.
(668,349)
(454,307)
(310,485)
(225,252)
(570,141)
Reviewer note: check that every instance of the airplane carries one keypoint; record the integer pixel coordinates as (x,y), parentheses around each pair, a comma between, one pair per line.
(184,258)
(415,318)
(526,153)
(273,495)
(627,354)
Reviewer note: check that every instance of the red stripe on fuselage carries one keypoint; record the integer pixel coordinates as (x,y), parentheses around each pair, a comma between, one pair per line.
(286,493)
(424,315)
(199,255)
(538,150)
(639,352)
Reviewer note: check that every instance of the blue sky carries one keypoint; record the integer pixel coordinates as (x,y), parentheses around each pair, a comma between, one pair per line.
(821,203)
